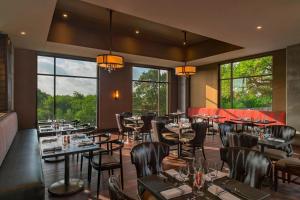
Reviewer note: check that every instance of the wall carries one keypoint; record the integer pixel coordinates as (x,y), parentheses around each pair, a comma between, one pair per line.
(120,80)
(25,87)
(204,85)
(293,86)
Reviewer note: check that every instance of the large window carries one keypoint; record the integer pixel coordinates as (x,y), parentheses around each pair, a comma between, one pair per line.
(67,89)
(247,84)
(149,90)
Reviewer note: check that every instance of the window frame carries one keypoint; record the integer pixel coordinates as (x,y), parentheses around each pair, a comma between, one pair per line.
(231,62)
(158,82)
(54,75)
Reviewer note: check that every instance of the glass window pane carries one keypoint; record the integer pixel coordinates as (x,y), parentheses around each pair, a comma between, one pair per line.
(144,74)
(75,68)
(76,98)
(45,97)
(225,94)
(45,65)
(253,93)
(225,71)
(145,97)
(253,67)
(163,99)
(163,75)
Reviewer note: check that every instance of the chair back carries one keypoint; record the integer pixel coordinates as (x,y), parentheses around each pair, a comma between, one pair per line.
(147,157)
(119,119)
(225,128)
(146,128)
(157,128)
(115,191)
(126,114)
(241,140)
(200,129)
(248,166)
(283,132)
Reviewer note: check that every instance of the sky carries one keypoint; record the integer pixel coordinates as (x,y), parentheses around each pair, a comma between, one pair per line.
(67,85)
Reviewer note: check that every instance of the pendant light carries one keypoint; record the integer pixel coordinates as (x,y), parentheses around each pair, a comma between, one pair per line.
(109,61)
(185,70)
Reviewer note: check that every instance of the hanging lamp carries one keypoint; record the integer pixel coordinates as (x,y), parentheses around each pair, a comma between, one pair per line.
(185,70)
(109,61)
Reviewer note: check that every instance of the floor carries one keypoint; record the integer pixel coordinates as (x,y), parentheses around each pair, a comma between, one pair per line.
(55,171)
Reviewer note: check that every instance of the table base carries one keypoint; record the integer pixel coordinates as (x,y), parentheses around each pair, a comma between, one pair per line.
(54,159)
(60,189)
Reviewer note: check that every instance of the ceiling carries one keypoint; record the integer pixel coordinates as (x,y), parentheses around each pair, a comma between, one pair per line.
(232,21)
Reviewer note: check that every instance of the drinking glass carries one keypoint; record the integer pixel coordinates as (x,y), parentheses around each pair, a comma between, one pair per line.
(199,180)
(184,173)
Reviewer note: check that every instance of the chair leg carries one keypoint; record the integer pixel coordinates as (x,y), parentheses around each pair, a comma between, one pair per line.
(81,163)
(77,157)
(283,175)
(203,153)
(122,179)
(222,165)
(275,179)
(98,183)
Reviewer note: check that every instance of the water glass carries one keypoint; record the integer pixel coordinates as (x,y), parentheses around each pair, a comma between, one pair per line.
(199,180)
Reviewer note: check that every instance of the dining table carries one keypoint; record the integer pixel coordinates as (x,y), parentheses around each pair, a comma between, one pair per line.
(53,146)
(246,122)
(157,184)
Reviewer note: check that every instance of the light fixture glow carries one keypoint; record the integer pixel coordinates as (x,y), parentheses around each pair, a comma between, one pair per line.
(185,70)
(116,95)
(259,27)
(23,33)
(137,32)
(109,61)
(65,15)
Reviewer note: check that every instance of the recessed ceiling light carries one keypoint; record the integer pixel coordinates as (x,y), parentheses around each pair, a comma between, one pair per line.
(137,32)
(23,33)
(65,15)
(259,27)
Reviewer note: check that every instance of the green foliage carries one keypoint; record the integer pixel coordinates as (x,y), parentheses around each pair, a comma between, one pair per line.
(68,107)
(150,96)
(252,84)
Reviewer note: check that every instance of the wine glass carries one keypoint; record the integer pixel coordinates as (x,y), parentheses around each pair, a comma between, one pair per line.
(184,173)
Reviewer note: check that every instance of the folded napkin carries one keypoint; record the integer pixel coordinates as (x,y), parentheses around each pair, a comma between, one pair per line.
(221,193)
(49,140)
(175,174)
(51,149)
(276,139)
(176,192)
(85,143)
(219,175)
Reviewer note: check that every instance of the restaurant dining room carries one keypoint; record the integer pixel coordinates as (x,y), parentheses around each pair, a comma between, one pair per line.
(149,100)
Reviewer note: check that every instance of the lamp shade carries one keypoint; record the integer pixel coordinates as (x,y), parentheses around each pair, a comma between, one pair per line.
(185,70)
(110,62)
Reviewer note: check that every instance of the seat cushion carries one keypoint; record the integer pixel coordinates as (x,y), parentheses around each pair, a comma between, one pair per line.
(21,174)
(106,161)
(275,154)
(170,134)
(281,164)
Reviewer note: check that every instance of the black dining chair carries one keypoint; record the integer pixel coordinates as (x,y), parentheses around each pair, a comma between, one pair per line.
(224,129)
(109,160)
(115,190)
(248,166)
(284,132)
(145,130)
(161,134)
(147,158)
(123,130)
(197,142)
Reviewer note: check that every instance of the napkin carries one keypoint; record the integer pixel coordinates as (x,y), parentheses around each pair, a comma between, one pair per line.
(219,175)
(276,139)
(173,173)
(176,192)
(51,149)
(85,143)
(221,193)
(49,140)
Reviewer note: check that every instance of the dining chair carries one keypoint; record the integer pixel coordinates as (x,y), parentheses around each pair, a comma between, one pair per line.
(147,158)
(122,128)
(161,134)
(115,190)
(248,166)
(197,142)
(284,132)
(109,160)
(289,167)
(224,129)
(145,130)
